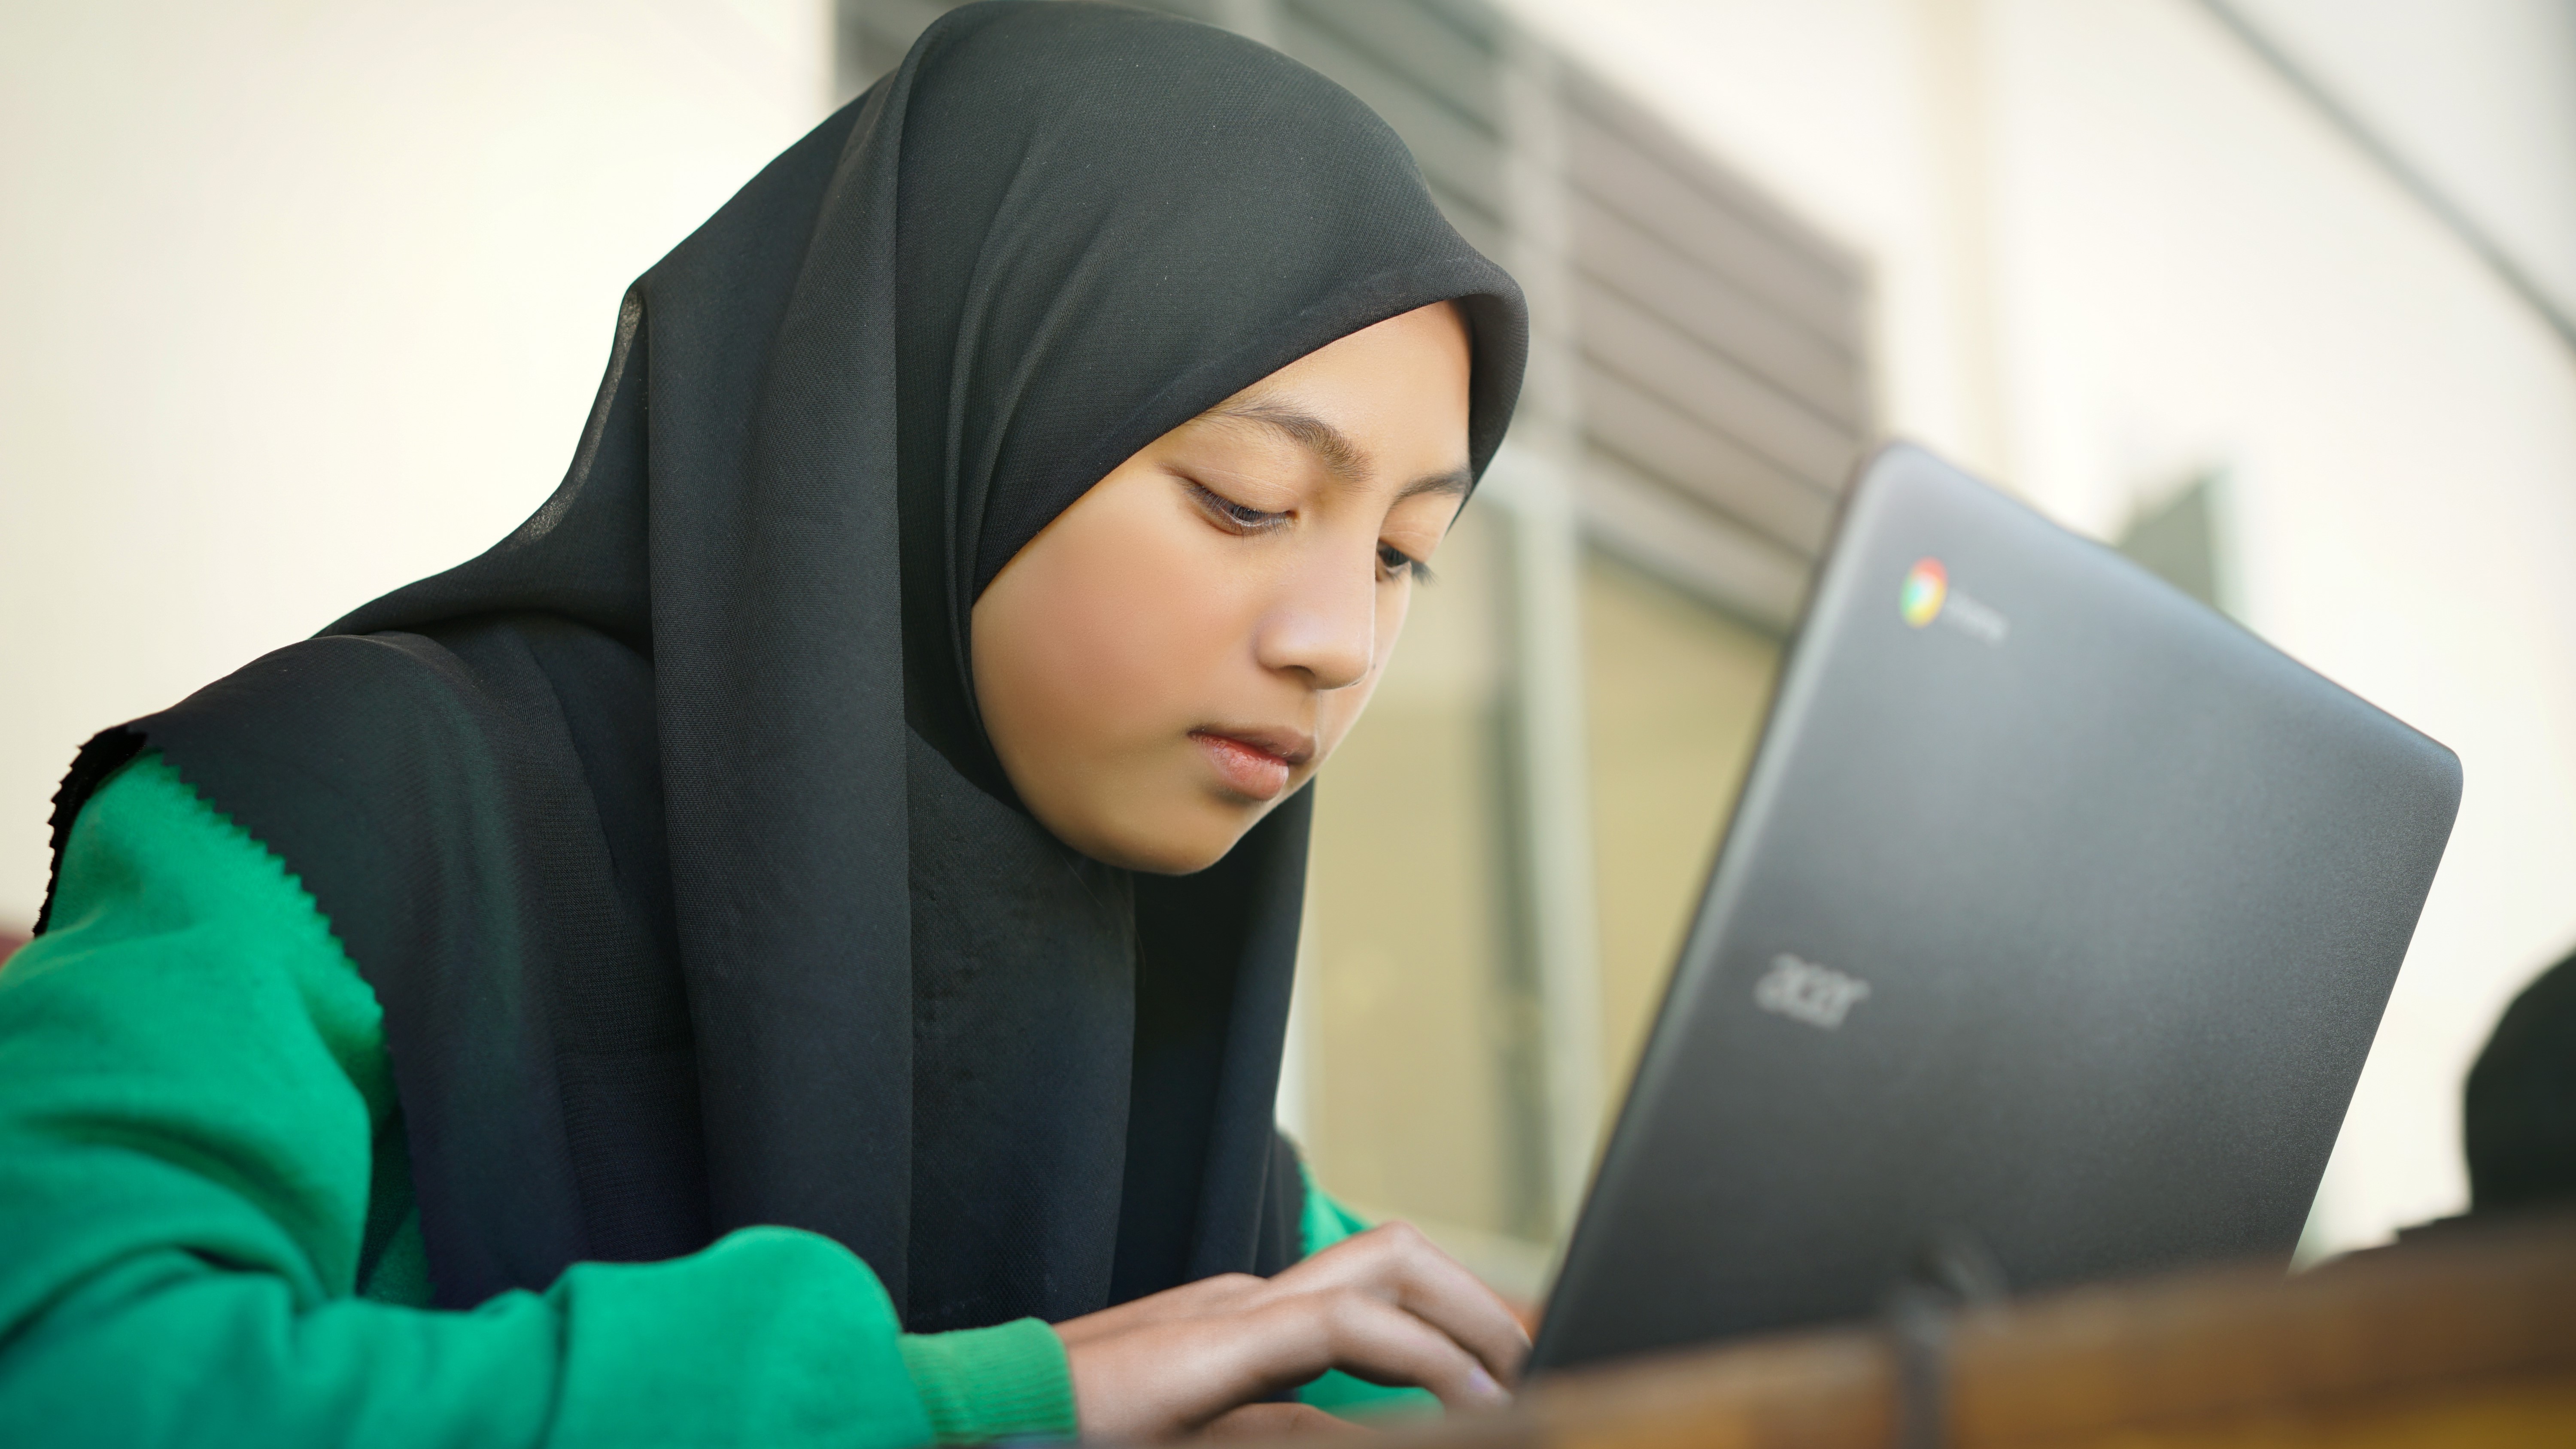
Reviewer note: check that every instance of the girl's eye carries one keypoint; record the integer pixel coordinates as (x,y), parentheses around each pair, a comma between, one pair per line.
(1232,512)
(1247,519)
(1398,563)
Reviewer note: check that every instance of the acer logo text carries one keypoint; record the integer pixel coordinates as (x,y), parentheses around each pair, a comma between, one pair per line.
(1804,991)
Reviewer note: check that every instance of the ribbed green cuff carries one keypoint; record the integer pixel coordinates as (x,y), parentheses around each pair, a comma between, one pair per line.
(983,1384)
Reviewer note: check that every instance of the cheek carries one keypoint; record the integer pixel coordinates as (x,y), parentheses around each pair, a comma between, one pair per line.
(1109,642)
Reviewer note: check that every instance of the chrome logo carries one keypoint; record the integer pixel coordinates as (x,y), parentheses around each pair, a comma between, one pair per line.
(1926,586)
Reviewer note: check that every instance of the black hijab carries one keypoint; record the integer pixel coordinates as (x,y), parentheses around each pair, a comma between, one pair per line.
(666,832)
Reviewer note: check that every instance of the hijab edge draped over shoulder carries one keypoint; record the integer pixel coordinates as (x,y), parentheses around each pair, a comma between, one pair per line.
(665,830)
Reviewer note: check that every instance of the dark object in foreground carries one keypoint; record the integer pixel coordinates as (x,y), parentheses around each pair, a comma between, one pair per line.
(2520,1116)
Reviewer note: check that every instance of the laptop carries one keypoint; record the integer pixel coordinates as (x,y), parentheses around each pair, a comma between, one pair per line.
(2053,924)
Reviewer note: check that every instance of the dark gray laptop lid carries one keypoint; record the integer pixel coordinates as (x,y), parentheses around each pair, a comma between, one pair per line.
(2056,916)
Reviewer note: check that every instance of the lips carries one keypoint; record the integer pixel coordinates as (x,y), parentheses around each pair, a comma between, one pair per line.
(1254,763)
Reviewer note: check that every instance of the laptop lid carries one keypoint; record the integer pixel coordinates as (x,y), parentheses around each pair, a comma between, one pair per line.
(2056,917)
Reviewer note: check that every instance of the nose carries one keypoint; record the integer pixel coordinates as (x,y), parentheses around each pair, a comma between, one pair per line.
(1323,623)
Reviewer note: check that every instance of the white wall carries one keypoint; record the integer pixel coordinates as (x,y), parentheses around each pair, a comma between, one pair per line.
(2111,249)
(2479,94)
(305,301)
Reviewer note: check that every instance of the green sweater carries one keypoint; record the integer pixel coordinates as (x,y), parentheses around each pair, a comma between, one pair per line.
(207,1230)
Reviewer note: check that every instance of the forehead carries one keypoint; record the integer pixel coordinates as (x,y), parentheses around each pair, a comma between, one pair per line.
(1393,395)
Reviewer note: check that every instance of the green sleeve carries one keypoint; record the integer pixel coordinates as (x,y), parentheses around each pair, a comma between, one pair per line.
(1326,1223)
(193,1095)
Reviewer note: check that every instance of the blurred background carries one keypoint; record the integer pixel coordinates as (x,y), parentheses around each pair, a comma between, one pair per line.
(306,300)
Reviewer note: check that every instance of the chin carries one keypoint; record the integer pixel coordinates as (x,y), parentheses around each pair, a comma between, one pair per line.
(1186,840)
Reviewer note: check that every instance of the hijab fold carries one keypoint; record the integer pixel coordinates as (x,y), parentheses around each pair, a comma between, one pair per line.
(666,831)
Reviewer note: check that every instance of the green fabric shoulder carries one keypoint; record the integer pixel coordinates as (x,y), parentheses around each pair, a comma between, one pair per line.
(172,930)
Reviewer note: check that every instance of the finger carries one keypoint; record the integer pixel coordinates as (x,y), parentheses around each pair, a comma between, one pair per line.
(1363,1335)
(1395,1262)
(1263,1421)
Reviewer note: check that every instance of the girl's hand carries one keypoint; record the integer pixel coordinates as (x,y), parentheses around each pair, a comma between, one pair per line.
(1384,1305)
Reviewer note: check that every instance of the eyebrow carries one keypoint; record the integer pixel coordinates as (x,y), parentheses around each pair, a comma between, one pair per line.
(1345,459)
(1456,480)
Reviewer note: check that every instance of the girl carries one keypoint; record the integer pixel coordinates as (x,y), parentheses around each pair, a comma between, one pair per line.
(792,946)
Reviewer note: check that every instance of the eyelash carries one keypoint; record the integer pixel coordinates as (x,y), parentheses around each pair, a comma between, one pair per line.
(1394,560)
(1250,520)
(1399,563)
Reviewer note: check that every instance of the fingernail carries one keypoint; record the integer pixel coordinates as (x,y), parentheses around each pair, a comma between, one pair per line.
(1483,1383)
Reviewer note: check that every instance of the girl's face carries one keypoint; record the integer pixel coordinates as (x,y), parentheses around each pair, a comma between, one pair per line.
(1182,647)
